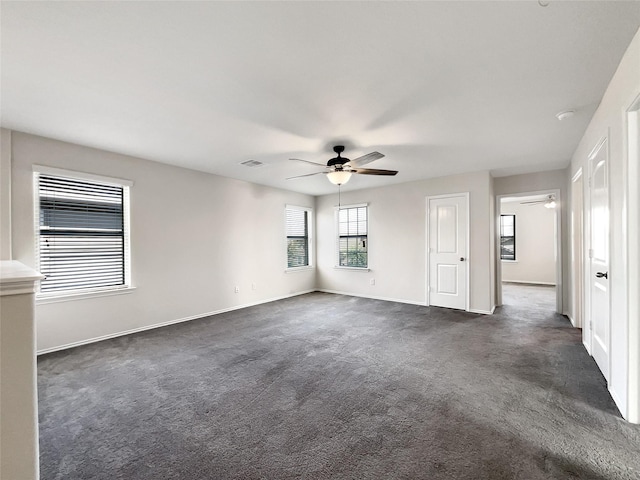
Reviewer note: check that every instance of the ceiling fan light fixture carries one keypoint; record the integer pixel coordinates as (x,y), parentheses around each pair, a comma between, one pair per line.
(339,177)
(551,203)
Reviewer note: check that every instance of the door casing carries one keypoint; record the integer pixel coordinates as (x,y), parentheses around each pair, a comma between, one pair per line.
(498,209)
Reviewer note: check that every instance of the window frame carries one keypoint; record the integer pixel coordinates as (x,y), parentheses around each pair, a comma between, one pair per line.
(309,237)
(78,293)
(337,210)
(502,236)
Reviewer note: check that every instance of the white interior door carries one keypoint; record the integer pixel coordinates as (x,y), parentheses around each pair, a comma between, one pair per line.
(599,257)
(448,227)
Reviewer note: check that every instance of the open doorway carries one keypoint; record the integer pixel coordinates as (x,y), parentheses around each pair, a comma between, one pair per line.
(529,273)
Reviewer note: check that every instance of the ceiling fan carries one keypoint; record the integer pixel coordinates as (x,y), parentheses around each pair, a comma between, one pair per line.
(549,202)
(340,168)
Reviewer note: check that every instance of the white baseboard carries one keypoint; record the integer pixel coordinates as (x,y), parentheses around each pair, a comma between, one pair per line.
(617,400)
(483,312)
(165,324)
(570,317)
(386,299)
(398,300)
(546,284)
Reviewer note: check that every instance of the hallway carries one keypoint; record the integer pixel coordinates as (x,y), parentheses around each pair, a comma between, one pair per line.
(521,294)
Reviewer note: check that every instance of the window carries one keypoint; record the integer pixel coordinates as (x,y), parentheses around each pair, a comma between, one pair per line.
(352,237)
(298,225)
(82,233)
(507,237)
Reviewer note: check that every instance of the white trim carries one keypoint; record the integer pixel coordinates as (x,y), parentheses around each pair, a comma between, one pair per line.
(336,226)
(165,324)
(546,284)
(19,287)
(310,238)
(16,278)
(84,175)
(558,243)
(577,175)
(126,212)
(299,269)
(354,269)
(351,205)
(297,207)
(482,312)
(575,218)
(386,299)
(632,257)
(617,400)
(43,299)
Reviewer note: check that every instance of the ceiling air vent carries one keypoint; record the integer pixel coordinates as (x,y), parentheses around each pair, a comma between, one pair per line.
(252,163)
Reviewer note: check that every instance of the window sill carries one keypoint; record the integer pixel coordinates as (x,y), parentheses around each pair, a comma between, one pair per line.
(298,269)
(67,297)
(355,269)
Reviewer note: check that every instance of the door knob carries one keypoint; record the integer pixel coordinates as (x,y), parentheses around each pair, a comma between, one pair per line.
(462,259)
(602,275)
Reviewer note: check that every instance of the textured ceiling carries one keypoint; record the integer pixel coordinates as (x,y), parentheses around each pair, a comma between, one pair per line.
(438,87)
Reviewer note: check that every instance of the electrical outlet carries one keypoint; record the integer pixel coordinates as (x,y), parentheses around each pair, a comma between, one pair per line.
(237,289)
(372,281)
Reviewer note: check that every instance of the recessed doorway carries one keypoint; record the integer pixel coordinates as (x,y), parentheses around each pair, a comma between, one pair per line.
(529,273)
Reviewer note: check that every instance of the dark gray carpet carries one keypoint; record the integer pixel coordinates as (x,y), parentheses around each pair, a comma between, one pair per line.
(542,297)
(325,386)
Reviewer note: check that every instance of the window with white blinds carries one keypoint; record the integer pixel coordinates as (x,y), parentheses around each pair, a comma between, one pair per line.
(508,237)
(82,241)
(298,236)
(352,237)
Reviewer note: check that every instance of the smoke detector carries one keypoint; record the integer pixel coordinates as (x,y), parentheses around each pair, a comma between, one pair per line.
(566,114)
(252,163)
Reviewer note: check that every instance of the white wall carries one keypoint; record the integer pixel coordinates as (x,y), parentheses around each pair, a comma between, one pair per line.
(535,244)
(397,223)
(610,120)
(537,182)
(194,237)
(5,194)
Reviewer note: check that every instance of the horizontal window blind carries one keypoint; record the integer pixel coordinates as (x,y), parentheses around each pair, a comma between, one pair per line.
(352,237)
(508,237)
(297,238)
(81,234)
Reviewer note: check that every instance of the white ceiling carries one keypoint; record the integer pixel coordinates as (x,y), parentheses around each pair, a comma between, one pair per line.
(439,87)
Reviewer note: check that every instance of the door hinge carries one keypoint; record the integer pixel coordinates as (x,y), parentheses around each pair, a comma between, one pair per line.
(591,253)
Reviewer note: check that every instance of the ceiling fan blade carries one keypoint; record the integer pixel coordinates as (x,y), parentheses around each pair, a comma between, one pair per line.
(373,171)
(533,202)
(307,175)
(307,161)
(364,159)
